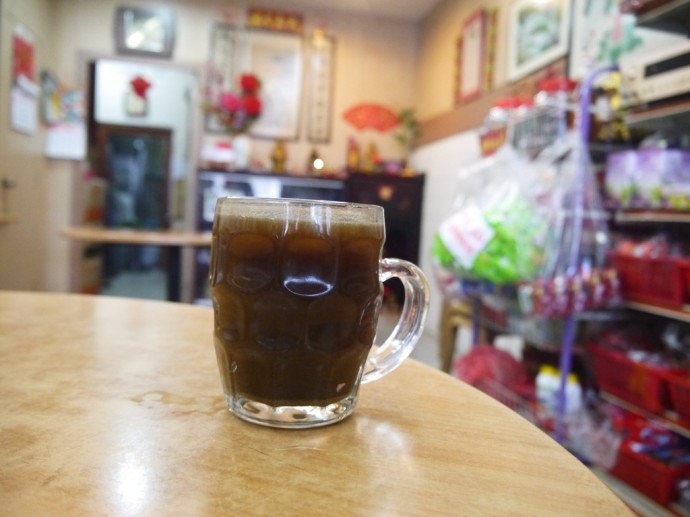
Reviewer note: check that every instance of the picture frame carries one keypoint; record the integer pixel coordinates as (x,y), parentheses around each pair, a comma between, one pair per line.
(320,98)
(145,31)
(135,106)
(471,58)
(602,35)
(277,59)
(538,34)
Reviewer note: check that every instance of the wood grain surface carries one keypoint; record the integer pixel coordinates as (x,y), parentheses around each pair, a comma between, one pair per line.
(113,406)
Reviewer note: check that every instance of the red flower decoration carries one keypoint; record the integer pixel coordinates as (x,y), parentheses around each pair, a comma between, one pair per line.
(252,105)
(249,83)
(140,85)
(230,102)
(236,112)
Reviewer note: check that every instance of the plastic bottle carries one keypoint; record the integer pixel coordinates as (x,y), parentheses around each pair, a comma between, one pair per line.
(573,394)
(547,384)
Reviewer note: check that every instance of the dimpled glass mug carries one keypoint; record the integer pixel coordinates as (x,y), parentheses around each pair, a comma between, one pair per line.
(297,290)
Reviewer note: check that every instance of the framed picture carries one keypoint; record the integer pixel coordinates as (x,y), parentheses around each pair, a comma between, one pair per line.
(320,99)
(135,105)
(602,35)
(538,34)
(145,31)
(277,59)
(471,58)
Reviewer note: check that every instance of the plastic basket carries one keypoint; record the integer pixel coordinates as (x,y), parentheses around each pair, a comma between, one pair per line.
(679,392)
(638,383)
(653,478)
(658,281)
(520,400)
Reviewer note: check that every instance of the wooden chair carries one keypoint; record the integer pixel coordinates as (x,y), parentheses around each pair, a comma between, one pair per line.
(455,313)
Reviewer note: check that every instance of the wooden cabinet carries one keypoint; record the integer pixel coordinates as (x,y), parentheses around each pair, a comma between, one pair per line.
(401,197)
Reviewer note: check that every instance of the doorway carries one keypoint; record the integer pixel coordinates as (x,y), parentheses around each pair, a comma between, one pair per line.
(145,160)
(134,161)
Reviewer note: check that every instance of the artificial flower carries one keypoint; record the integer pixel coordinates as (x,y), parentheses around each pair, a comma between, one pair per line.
(237,111)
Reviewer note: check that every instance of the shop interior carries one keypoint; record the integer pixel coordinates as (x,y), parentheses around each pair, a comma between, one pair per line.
(532,157)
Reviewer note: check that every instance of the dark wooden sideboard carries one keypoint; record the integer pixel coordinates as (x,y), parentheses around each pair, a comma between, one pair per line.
(400,196)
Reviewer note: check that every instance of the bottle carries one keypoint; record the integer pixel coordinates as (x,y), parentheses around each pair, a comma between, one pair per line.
(573,394)
(547,384)
(279,157)
(352,155)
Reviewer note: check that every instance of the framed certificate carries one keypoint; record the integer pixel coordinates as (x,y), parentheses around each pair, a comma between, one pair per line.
(538,34)
(471,58)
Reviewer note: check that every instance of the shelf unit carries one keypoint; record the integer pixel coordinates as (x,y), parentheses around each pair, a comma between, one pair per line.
(668,420)
(641,504)
(673,16)
(666,312)
(651,217)
(666,115)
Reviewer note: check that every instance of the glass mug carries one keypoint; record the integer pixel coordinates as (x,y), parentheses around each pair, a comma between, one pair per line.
(297,290)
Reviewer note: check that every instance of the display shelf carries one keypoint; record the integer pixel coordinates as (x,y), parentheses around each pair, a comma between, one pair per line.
(8,218)
(640,504)
(667,115)
(669,420)
(651,217)
(530,341)
(666,312)
(672,16)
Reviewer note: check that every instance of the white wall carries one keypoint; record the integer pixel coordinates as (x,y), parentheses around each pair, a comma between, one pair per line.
(375,62)
(441,161)
(170,99)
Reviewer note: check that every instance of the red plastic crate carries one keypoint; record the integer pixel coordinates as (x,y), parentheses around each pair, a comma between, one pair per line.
(653,478)
(641,384)
(658,281)
(679,391)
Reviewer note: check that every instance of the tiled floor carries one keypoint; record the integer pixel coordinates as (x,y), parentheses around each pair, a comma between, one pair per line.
(150,285)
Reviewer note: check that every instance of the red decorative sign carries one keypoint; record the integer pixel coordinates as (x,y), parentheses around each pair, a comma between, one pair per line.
(372,116)
(140,85)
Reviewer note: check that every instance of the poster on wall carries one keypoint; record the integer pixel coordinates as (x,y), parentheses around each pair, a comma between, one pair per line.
(63,112)
(276,59)
(471,57)
(24,95)
(602,35)
(538,34)
(320,99)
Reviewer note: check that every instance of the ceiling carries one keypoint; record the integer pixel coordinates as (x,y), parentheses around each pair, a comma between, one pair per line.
(408,10)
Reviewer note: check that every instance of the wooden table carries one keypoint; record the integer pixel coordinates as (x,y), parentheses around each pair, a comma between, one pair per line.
(172,240)
(113,406)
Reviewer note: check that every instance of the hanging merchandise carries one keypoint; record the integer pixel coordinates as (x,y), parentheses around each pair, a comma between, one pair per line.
(495,233)
(574,276)
(504,112)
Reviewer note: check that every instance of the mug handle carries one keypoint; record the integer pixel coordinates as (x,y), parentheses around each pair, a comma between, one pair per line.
(398,346)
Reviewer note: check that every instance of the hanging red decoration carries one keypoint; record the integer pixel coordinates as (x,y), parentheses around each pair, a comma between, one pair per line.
(372,116)
(140,85)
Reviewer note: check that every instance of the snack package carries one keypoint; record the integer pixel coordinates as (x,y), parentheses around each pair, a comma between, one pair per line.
(574,275)
(495,231)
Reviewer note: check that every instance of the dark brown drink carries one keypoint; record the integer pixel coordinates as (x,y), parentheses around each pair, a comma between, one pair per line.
(296,300)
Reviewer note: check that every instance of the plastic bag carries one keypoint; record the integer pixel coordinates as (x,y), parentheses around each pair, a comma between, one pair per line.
(495,231)
(486,363)
(574,276)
